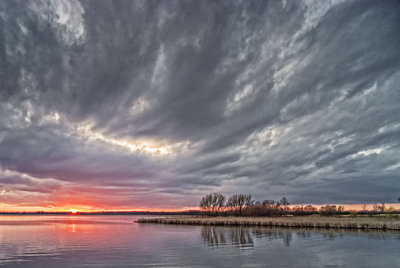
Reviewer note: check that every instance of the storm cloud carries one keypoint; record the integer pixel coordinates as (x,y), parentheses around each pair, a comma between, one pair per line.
(152,104)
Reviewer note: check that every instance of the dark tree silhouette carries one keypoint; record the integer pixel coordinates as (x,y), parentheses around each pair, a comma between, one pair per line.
(212,203)
(238,201)
(284,202)
(328,210)
(378,208)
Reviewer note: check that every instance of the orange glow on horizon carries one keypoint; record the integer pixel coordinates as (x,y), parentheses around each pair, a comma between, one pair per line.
(80,208)
(75,209)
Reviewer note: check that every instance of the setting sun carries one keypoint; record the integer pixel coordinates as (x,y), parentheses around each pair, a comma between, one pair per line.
(73,211)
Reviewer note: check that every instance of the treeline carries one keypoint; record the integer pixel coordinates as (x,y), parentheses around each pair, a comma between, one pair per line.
(243,205)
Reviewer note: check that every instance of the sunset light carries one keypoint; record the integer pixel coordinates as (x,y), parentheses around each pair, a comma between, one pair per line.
(73,211)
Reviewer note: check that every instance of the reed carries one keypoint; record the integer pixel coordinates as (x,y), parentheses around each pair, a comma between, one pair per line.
(366,223)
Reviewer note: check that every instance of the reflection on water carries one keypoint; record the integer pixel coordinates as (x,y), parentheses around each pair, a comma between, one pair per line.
(116,241)
(274,233)
(236,236)
(243,236)
(215,236)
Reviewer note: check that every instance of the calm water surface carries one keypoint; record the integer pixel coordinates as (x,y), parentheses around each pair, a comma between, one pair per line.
(116,241)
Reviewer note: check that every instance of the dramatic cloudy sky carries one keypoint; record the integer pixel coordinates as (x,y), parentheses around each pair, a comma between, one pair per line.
(152,104)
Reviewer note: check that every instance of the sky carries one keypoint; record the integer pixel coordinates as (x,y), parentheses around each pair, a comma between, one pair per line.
(136,105)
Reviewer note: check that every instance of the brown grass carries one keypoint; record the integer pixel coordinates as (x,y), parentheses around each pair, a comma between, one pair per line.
(343,222)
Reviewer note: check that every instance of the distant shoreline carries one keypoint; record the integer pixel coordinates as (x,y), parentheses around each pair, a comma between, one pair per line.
(160,213)
(342,222)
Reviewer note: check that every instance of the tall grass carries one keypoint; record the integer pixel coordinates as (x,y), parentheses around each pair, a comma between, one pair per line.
(366,223)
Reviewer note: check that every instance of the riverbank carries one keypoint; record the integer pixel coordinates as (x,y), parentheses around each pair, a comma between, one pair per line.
(342,222)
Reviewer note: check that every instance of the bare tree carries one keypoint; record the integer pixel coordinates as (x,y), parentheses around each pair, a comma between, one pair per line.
(212,203)
(238,201)
(284,202)
(378,208)
(375,207)
(381,207)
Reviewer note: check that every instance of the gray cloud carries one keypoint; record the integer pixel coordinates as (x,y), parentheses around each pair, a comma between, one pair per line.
(157,103)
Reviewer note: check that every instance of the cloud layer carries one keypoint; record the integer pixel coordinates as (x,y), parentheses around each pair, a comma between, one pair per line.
(138,104)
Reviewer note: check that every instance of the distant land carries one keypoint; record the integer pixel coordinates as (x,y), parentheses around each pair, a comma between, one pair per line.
(190,212)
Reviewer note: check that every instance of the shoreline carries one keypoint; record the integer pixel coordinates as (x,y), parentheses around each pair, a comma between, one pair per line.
(359,223)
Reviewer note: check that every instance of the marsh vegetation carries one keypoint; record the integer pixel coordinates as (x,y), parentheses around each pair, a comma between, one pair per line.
(339,222)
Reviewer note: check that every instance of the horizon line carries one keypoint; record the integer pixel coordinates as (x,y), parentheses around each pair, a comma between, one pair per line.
(354,206)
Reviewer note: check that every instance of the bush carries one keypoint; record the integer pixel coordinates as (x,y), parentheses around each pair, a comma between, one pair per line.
(328,211)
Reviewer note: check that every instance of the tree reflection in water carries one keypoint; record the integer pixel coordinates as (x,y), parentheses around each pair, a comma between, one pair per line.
(272,234)
(241,237)
(244,237)
(219,236)
(213,236)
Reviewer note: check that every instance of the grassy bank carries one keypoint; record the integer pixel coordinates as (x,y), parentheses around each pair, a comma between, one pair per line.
(366,223)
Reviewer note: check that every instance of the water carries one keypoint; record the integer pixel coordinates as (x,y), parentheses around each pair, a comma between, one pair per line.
(116,241)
